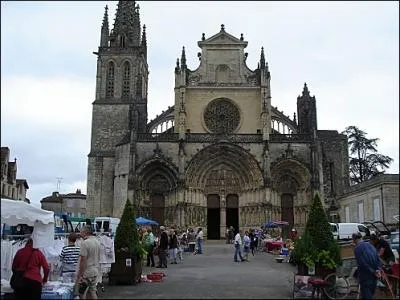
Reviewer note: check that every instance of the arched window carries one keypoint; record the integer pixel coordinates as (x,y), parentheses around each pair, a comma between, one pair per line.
(122,41)
(110,80)
(126,82)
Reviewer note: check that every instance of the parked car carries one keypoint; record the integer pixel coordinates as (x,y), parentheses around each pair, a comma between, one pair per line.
(344,231)
(394,243)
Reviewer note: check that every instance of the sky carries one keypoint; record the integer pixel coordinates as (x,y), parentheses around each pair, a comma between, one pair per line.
(346,52)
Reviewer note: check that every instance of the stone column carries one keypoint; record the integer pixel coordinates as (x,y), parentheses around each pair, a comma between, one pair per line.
(222,216)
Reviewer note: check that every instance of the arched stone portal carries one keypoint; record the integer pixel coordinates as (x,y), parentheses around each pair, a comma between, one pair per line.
(213,217)
(291,181)
(226,170)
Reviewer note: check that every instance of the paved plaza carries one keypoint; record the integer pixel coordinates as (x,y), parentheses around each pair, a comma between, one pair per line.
(214,274)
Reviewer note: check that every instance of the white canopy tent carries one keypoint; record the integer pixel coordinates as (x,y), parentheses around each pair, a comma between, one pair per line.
(14,212)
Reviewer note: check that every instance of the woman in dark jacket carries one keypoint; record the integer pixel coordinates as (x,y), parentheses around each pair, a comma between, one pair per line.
(162,248)
(253,241)
(173,246)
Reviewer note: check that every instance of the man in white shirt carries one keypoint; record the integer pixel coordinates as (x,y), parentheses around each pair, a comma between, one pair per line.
(199,239)
(238,245)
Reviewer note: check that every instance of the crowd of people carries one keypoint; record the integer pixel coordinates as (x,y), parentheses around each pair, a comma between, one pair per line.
(80,264)
(170,243)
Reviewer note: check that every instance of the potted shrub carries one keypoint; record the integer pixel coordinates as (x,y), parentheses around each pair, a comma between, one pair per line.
(317,246)
(129,252)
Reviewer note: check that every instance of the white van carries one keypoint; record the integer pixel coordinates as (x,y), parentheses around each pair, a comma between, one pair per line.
(344,231)
(106,224)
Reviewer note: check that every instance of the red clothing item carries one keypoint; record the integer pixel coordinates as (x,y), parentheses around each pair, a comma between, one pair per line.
(37,261)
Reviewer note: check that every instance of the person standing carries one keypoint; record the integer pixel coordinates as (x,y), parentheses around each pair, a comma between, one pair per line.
(384,250)
(253,241)
(149,242)
(173,246)
(192,241)
(238,244)
(30,261)
(89,265)
(246,245)
(199,239)
(162,249)
(69,258)
(368,264)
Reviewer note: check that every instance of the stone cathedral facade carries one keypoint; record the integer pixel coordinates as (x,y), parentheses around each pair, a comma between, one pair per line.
(223,155)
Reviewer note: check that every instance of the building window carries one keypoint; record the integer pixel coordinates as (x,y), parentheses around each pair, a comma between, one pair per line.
(347,214)
(360,206)
(70,203)
(69,214)
(110,80)
(377,209)
(126,82)
(83,215)
(9,191)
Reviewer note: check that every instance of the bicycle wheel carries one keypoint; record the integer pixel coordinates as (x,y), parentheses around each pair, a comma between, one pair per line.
(336,287)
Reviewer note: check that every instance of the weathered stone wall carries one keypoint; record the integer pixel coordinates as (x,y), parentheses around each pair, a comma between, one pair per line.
(334,155)
(122,163)
(110,124)
(246,99)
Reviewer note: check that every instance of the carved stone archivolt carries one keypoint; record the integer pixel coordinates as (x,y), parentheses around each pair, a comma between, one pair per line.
(224,165)
(222,116)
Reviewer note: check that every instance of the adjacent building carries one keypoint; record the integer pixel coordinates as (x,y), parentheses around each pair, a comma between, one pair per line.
(376,199)
(72,204)
(11,187)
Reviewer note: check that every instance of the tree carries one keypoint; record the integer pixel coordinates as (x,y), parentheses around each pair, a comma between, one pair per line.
(317,245)
(364,162)
(127,235)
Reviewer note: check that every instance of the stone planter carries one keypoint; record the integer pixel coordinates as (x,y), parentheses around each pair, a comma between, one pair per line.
(302,269)
(127,269)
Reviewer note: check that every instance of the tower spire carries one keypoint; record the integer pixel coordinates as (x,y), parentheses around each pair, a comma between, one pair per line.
(104,29)
(126,31)
(144,41)
(306,92)
(183,58)
(262,59)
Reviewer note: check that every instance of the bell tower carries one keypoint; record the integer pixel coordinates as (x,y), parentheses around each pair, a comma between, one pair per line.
(120,104)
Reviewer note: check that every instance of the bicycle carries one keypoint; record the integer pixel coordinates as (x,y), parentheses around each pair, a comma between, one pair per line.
(339,285)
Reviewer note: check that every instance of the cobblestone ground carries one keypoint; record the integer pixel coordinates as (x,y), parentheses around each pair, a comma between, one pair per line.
(214,274)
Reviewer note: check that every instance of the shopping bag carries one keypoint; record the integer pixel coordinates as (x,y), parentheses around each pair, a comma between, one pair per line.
(17,280)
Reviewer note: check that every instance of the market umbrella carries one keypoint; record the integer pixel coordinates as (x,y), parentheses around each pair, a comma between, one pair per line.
(143,221)
(275,224)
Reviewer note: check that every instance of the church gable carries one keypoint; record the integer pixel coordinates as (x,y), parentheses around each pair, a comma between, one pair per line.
(222,38)
(222,62)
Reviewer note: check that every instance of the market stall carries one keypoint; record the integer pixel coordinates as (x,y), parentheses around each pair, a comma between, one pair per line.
(14,213)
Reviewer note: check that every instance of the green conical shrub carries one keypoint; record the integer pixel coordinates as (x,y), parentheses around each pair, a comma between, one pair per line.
(126,236)
(317,245)
(318,225)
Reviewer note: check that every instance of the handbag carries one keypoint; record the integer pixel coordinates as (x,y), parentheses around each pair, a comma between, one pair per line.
(17,278)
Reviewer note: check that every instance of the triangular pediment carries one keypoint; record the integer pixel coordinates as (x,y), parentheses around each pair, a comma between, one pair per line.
(222,38)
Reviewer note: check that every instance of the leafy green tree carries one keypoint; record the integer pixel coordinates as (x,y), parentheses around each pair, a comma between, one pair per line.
(365,162)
